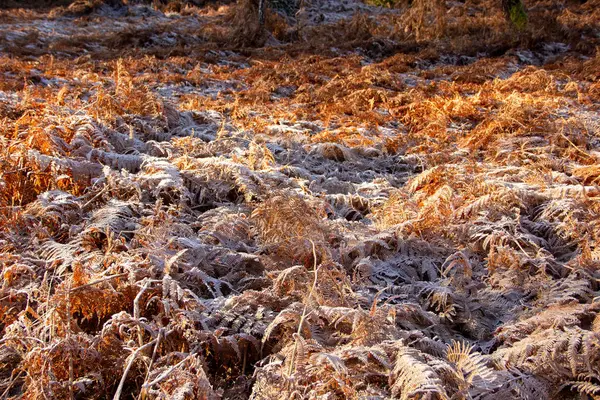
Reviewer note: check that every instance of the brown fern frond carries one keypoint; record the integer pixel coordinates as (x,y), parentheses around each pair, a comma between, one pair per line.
(412,378)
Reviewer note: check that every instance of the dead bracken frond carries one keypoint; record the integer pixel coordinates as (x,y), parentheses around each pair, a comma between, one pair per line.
(324,199)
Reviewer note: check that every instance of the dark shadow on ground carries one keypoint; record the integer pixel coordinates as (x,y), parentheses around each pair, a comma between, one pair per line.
(33,4)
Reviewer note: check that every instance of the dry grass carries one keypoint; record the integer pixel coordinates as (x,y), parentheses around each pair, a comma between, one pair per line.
(348,202)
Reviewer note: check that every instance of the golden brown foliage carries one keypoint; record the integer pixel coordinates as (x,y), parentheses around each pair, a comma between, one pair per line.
(348,202)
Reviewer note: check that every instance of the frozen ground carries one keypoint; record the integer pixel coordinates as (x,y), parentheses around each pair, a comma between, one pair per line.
(344,212)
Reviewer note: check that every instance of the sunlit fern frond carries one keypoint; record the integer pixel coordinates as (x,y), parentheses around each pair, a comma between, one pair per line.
(287,216)
(412,378)
(472,366)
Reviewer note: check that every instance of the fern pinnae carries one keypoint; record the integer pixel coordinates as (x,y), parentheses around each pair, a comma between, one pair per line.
(572,352)
(413,378)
